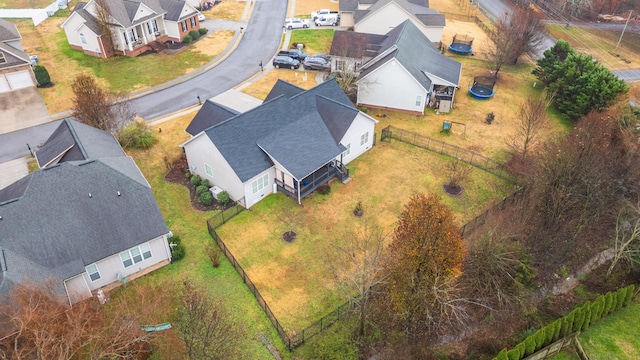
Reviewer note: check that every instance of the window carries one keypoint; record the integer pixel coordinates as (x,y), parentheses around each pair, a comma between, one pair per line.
(135,255)
(132,37)
(152,26)
(364,138)
(184,25)
(193,22)
(83,39)
(418,100)
(339,65)
(93,272)
(348,151)
(208,170)
(260,183)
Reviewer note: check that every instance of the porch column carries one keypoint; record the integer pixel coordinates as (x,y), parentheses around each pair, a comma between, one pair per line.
(144,35)
(129,45)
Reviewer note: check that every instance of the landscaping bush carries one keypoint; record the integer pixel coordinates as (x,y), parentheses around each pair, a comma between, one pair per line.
(324,189)
(203,31)
(206,198)
(42,75)
(213,254)
(195,35)
(136,135)
(206,183)
(629,295)
(196,180)
(187,39)
(177,251)
(201,189)
(224,198)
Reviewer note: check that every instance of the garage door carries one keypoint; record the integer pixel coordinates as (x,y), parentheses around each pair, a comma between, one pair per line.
(19,80)
(4,85)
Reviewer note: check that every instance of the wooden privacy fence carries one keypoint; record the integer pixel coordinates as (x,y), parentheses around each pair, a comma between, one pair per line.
(441,147)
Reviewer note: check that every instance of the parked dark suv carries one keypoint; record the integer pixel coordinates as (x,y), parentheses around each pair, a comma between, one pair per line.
(285,62)
(316,63)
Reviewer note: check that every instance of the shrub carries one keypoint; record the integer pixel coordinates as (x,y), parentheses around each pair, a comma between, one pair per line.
(548,334)
(203,31)
(502,355)
(187,39)
(578,319)
(136,135)
(530,346)
(586,308)
(201,189)
(206,198)
(629,295)
(224,198)
(324,189)
(195,35)
(206,183)
(42,75)
(608,303)
(557,326)
(213,254)
(513,354)
(196,180)
(364,109)
(177,251)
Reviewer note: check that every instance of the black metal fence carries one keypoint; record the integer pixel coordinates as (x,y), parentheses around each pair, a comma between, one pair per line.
(441,147)
(479,220)
(223,216)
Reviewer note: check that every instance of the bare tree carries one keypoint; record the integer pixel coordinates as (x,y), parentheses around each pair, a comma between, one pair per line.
(457,171)
(206,330)
(532,120)
(291,218)
(514,34)
(627,237)
(96,107)
(103,15)
(358,266)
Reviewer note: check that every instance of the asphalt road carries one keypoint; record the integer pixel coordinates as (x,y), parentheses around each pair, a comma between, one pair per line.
(260,42)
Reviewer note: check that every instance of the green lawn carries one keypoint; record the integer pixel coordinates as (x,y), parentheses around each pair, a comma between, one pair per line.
(315,41)
(296,278)
(614,337)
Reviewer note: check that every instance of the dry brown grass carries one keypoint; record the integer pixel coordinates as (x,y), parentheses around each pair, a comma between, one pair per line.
(24,4)
(260,87)
(306,7)
(634,91)
(215,43)
(227,10)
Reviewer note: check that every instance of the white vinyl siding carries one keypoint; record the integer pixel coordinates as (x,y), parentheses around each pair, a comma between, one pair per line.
(135,255)
(83,39)
(92,271)
(260,183)
(208,169)
(364,138)
(418,100)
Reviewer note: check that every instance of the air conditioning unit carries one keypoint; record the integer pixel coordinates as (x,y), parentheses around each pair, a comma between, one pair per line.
(215,191)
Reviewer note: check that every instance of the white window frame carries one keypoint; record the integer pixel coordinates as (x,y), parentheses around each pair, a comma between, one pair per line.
(364,138)
(136,255)
(184,25)
(208,169)
(152,26)
(418,100)
(91,273)
(260,183)
(193,22)
(348,151)
(83,39)
(339,65)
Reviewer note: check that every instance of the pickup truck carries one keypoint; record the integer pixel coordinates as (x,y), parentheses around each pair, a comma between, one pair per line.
(293,53)
(327,21)
(324,13)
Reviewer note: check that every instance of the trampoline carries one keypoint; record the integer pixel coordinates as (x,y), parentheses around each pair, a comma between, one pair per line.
(482,87)
(461,45)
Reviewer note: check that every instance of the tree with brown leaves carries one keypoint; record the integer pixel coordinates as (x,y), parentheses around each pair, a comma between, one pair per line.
(425,258)
(94,106)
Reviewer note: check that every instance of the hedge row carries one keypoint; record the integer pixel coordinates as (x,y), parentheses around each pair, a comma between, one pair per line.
(577,320)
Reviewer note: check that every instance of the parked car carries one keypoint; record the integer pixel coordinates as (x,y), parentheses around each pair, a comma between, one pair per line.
(316,63)
(285,62)
(201,17)
(325,13)
(327,21)
(293,53)
(296,23)
(324,57)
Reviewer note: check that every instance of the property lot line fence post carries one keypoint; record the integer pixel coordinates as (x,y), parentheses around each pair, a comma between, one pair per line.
(441,147)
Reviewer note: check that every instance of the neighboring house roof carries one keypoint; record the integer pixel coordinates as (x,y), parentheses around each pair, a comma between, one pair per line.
(8,31)
(73,141)
(210,114)
(428,17)
(355,45)
(89,21)
(71,215)
(408,45)
(123,12)
(176,10)
(291,130)
(12,56)
(282,87)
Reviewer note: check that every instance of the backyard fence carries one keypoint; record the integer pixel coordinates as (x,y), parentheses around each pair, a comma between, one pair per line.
(441,147)
(479,220)
(290,341)
(36,15)
(223,216)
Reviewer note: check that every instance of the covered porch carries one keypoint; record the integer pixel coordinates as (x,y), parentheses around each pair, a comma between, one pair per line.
(141,37)
(298,189)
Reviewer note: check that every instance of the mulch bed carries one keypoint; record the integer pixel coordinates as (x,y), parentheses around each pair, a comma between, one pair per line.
(178,175)
(289,236)
(453,190)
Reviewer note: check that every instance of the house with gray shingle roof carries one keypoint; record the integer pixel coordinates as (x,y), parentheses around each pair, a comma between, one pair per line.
(87,220)
(15,65)
(137,26)
(380,16)
(294,142)
(403,71)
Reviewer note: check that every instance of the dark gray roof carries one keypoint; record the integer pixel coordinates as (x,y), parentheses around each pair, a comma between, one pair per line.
(428,17)
(15,190)
(73,141)
(348,5)
(124,11)
(58,226)
(13,56)
(8,31)
(418,55)
(355,45)
(174,10)
(210,114)
(89,20)
(282,87)
(289,129)
(337,117)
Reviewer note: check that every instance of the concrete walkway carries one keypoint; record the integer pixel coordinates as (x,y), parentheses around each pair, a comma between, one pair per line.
(13,170)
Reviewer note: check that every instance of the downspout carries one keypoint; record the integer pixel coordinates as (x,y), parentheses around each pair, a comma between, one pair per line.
(298,182)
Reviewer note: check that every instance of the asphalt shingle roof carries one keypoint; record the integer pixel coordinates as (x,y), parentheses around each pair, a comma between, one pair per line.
(8,31)
(174,9)
(355,45)
(420,9)
(291,130)
(282,87)
(210,114)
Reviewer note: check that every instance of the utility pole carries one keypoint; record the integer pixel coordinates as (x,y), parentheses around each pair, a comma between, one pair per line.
(623,30)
